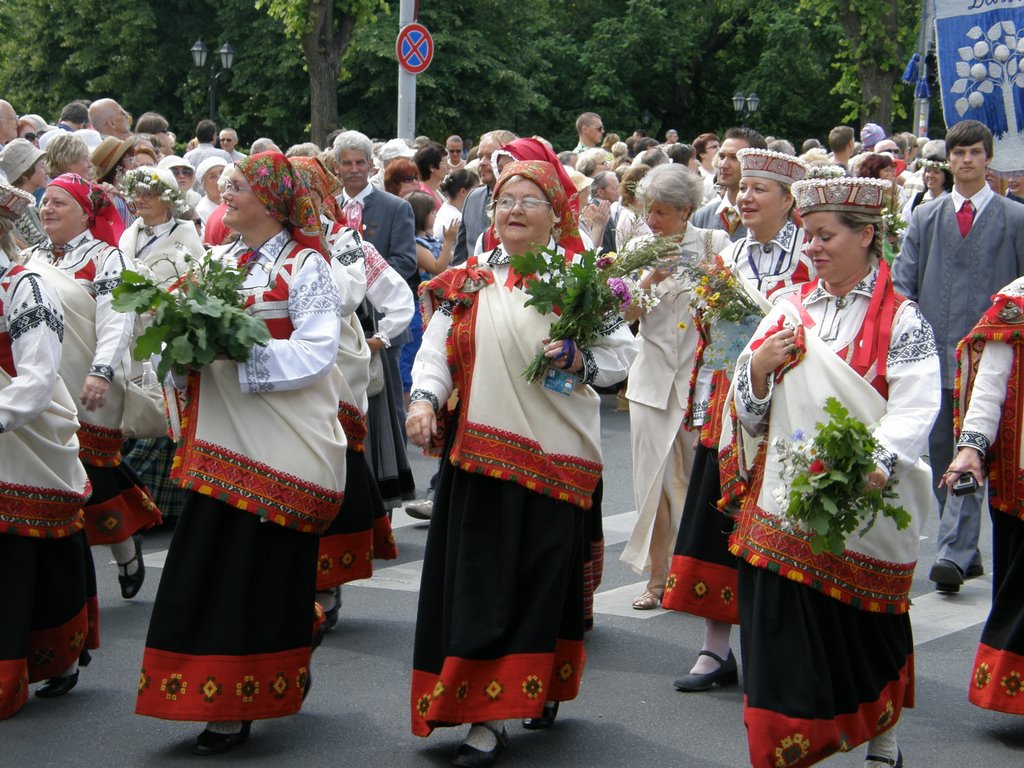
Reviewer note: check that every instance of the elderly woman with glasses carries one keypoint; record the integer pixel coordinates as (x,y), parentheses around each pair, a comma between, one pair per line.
(499,632)
(263,459)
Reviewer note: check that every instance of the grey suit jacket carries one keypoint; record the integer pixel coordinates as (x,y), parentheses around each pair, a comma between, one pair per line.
(474,222)
(952,278)
(706,217)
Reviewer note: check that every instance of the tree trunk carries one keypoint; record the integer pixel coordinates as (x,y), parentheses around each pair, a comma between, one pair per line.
(323,47)
(876,95)
(876,83)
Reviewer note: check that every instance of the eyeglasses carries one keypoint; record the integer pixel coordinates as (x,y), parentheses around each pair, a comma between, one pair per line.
(528,204)
(183,171)
(29,136)
(409,179)
(235,189)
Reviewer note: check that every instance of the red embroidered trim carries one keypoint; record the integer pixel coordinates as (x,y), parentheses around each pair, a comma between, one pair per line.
(13,686)
(778,741)
(6,353)
(510,687)
(384,546)
(119,518)
(100,446)
(711,431)
(344,557)
(176,686)
(998,680)
(255,487)
(857,580)
(354,424)
(507,456)
(702,589)
(1006,478)
(53,650)
(40,513)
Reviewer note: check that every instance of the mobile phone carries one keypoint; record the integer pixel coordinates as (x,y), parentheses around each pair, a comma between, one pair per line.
(965,485)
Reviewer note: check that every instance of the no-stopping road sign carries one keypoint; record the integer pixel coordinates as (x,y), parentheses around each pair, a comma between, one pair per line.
(414,48)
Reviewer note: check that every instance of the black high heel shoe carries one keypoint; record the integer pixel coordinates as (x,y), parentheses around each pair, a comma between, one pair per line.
(546,719)
(726,674)
(131,584)
(210,743)
(57,686)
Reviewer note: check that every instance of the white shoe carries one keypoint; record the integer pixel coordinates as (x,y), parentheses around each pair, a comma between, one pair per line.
(420,510)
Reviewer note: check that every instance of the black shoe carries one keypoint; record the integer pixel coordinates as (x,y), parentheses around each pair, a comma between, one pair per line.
(130,585)
(897,763)
(546,719)
(976,570)
(947,576)
(726,674)
(331,616)
(210,743)
(471,757)
(84,658)
(57,686)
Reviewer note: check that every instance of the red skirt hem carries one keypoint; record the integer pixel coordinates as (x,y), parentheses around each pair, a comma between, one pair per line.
(119,518)
(703,589)
(998,680)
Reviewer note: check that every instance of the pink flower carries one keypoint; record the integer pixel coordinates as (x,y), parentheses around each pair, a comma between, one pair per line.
(621,290)
(817,467)
(604,262)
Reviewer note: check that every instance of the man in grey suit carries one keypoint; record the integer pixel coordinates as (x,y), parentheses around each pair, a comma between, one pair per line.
(958,251)
(722,212)
(475,218)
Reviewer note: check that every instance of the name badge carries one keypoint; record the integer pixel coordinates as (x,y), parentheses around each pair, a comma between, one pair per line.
(558,381)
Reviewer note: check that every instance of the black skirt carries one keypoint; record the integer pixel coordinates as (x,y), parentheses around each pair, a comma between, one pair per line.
(232,625)
(385,439)
(819,676)
(499,628)
(360,533)
(998,679)
(47,609)
(702,576)
(120,505)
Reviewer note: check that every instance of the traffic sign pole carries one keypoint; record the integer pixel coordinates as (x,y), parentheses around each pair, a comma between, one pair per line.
(406,80)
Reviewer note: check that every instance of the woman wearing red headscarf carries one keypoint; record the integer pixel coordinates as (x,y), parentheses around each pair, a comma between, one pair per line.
(82,263)
(499,633)
(263,458)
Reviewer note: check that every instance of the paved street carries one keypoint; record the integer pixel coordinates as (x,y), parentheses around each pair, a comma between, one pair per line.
(627,713)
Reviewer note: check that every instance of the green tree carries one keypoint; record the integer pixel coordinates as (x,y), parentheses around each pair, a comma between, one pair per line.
(324,31)
(879,37)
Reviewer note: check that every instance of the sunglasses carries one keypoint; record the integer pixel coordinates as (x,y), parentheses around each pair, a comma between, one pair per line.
(30,136)
(183,172)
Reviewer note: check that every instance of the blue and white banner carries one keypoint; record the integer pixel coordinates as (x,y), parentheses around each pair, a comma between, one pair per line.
(980,47)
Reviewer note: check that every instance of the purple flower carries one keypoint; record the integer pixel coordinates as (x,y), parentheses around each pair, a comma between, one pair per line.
(604,262)
(621,290)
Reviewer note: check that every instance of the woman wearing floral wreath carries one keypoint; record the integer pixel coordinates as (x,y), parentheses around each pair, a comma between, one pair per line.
(766,264)
(157,242)
(263,458)
(839,615)
(499,631)
(82,263)
(361,532)
(45,564)
(989,417)
(659,380)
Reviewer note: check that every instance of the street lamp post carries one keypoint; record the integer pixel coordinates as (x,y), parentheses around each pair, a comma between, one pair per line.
(227,58)
(745,105)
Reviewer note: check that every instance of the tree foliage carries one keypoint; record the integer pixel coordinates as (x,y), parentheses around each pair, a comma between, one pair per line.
(530,66)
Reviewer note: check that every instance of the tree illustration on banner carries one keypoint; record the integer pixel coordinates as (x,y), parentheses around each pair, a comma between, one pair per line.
(992,60)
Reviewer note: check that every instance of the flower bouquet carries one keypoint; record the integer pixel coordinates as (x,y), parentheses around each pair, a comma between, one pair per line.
(824,491)
(199,319)
(588,294)
(726,311)
(893,226)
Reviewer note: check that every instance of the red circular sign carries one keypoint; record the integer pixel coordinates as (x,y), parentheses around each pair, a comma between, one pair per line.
(414,48)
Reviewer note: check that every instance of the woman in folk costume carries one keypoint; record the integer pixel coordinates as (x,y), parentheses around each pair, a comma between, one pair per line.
(659,380)
(263,457)
(361,532)
(157,243)
(826,638)
(768,263)
(500,636)
(82,263)
(989,417)
(45,563)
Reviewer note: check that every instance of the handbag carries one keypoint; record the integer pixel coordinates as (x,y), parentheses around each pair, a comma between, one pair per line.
(144,415)
(376,384)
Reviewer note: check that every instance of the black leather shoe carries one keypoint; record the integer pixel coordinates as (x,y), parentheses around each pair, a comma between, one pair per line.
(546,719)
(84,658)
(130,585)
(331,616)
(947,576)
(897,763)
(976,570)
(210,743)
(726,674)
(471,757)
(57,686)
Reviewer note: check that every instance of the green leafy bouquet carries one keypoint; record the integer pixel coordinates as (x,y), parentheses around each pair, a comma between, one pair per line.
(199,319)
(827,493)
(588,293)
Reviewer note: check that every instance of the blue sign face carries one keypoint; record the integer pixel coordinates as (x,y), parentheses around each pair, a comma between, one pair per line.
(415,49)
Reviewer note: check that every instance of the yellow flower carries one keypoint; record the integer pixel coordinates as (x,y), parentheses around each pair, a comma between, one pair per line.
(715,297)
(682,326)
